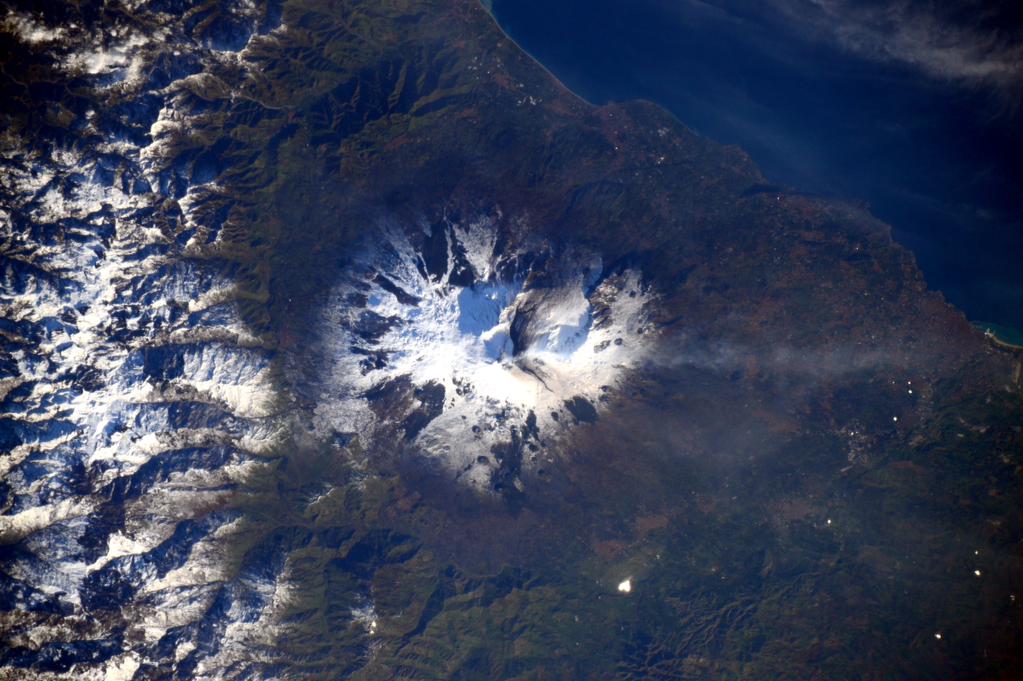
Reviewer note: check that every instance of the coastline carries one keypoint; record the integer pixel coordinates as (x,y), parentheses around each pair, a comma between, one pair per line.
(939,275)
(1002,336)
(488,7)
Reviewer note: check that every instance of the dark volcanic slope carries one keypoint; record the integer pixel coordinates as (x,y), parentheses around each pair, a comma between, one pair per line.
(816,474)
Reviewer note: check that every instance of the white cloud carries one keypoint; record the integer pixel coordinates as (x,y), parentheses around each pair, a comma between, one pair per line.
(915,35)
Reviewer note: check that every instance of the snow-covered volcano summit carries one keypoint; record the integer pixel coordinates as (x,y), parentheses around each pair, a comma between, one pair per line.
(477,347)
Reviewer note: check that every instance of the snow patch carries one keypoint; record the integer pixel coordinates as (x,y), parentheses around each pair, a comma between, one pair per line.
(31,30)
(486,353)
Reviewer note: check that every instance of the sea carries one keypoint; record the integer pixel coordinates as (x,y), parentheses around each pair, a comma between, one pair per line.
(937,159)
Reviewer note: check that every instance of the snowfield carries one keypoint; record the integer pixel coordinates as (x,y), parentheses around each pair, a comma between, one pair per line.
(490,341)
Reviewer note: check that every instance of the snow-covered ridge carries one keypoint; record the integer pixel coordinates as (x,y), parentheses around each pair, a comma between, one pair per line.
(479,350)
(133,398)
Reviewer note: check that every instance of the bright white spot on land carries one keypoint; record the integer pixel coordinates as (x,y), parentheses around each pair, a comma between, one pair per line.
(895,418)
(977,572)
(829,521)
(625,586)
(366,616)
(938,635)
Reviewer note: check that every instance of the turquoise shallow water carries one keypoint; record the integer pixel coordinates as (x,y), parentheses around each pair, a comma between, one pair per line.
(1006,334)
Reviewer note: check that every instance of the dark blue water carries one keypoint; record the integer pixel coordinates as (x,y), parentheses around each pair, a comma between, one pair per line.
(939,161)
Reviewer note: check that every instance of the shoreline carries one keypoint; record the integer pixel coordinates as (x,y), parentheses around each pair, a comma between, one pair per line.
(991,332)
(900,227)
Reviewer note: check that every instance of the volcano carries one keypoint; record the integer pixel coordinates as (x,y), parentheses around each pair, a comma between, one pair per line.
(477,346)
